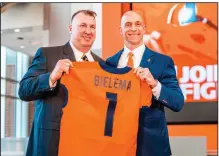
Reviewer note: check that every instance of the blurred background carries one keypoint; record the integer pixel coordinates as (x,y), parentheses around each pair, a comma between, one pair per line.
(185,31)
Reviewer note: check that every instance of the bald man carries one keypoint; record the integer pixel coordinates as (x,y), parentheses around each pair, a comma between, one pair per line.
(158,71)
(41,82)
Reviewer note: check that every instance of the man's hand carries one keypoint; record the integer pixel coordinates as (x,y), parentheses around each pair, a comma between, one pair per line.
(145,75)
(61,66)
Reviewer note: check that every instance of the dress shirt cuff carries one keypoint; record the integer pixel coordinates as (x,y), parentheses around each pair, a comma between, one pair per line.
(156,90)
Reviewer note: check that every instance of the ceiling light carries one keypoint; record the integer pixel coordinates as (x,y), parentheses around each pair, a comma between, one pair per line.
(21,46)
(20,38)
(16,30)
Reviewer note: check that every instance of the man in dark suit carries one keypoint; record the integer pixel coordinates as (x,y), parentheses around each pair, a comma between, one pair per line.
(41,82)
(159,72)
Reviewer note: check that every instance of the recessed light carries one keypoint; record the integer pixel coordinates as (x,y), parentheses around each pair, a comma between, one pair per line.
(20,38)
(16,30)
(21,46)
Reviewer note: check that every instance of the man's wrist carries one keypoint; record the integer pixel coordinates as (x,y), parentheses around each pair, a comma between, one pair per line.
(156,90)
(52,84)
(154,84)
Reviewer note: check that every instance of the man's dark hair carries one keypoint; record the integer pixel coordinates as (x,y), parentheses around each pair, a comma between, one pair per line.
(86,12)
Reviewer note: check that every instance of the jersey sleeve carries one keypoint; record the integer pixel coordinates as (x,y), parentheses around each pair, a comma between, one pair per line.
(146,94)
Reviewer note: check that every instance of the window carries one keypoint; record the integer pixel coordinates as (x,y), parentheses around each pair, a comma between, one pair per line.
(14,112)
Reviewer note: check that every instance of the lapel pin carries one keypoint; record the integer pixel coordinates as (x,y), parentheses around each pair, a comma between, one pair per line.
(149,60)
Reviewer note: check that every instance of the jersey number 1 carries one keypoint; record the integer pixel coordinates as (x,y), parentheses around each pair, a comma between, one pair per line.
(112,97)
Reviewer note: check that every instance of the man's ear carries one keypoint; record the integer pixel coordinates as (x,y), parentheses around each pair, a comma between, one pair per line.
(144,28)
(70,28)
(120,30)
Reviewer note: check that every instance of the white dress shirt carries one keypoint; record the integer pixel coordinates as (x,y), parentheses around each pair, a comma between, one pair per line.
(78,54)
(137,56)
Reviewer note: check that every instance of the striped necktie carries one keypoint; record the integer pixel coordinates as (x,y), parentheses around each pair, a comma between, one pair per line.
(84,57)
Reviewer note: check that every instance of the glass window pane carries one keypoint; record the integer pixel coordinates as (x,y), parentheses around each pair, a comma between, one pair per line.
(22,65)
(18,118)
(11,88)
(11,62)
(3,87)
(25,61)
(17,89)
(19,65)
(3,61)
(24,119)
(2,116)
(21,118)
(10,117)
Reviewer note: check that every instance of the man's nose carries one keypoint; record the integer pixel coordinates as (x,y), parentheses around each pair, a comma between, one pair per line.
(88,30)
(133,28)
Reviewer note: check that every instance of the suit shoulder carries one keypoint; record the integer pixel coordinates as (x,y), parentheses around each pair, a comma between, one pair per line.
(50,49)
(44,51)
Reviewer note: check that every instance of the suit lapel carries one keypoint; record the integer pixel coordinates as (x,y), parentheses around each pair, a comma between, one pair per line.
(147,58)
(96,58)
(68,52)
(114,60)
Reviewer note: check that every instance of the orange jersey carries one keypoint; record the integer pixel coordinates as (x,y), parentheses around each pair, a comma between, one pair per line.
(100,117)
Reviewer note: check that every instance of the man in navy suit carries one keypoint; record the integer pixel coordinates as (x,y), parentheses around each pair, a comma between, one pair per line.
(159,72)
(41,83)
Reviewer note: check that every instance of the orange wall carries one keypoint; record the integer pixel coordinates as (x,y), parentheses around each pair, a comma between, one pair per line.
(112,40)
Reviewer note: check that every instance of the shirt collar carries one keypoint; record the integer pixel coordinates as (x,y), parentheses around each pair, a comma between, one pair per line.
(137,51)
(77,52)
